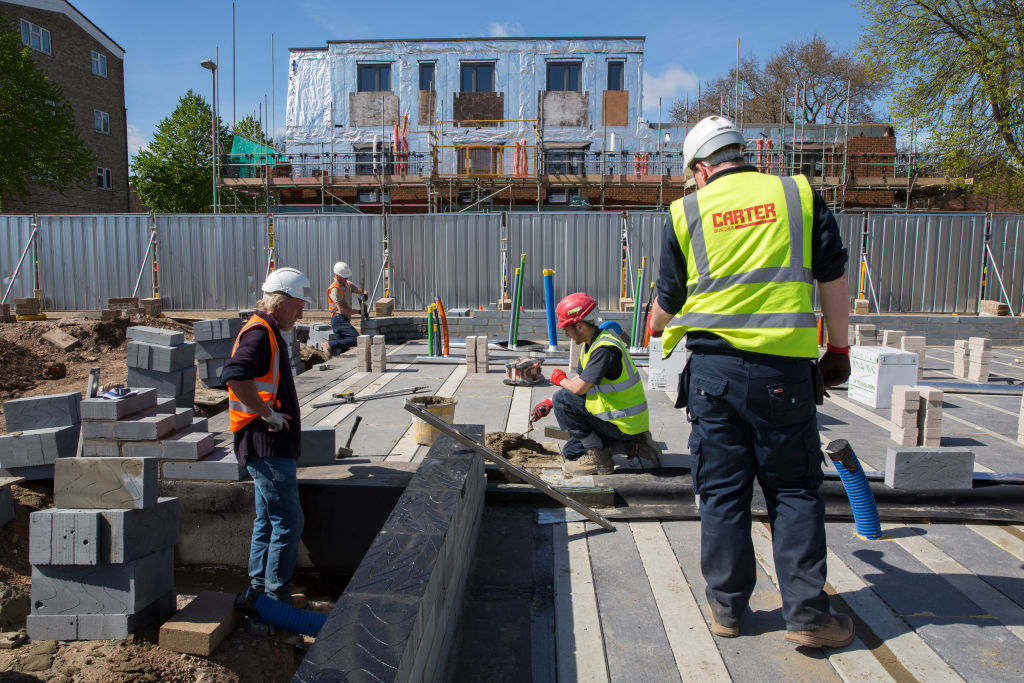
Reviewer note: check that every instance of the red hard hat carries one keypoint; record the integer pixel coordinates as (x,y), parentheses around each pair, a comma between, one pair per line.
(574,309)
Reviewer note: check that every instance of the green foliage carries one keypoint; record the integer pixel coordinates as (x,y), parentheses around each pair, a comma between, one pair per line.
(250,129)
(958,69)
(173,173)
(39,142)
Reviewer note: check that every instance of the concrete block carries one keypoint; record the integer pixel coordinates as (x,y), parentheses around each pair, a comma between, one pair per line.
(218,328)
(482,353)
(127,535)
(161,358)
(384,307)
(471,354)
(210,368)
(906,435)
(64,537)
(177,384)
(52,626)
(219,348)
(199,424)
(154,335)
(378,355)
(144,428)
(364,342)
(103,589)
(105,483)
(101,448)
(36,447)
(40,412)
(892,338)
(574,357)
(120,626)
(220,465)
(30,473)
(201,625)
(319,446)
(982,343)
(115,409)
(978,373)
(905,397)
(929,468)
(181,446)
(60,339)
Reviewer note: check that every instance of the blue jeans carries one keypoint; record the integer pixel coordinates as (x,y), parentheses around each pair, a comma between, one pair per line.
(585,430)
(755,418)
(277,529)
(345,335)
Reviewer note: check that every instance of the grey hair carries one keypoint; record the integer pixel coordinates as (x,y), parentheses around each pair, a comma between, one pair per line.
(720,156)
(270,302)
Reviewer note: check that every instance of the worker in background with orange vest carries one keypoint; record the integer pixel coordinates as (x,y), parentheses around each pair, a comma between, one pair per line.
(263,407)
(339,305)
(739,258)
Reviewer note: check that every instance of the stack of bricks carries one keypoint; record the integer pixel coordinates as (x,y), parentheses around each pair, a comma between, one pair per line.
(103,556)
(979,358)
(865,335)
(364,351)
(929,417)
(143,425)
(476,354)
(384,308)
(122,306)
(214,341)
(378,354)
(153,306)
(27,306)
(40,429)
(917,416)
(960,356)
(915,345)
(988,307)
(162,360)
(892,338)
(5,314)
(861,307)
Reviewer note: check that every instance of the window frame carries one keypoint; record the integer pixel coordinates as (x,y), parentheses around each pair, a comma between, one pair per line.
(103,119)
(433,76)
(27,28)
(474,66)
(621,64)
(104,179)
(567,65)
(99,60)
(380,68)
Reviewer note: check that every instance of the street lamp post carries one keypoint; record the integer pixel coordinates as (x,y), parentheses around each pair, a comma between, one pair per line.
(212,66)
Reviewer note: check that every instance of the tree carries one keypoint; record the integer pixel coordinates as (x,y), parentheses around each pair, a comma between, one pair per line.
(173,173)
(250,128)
(769,93)
(958,68)
(39,142)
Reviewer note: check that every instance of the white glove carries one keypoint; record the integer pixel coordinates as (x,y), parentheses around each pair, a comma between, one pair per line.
(277,421)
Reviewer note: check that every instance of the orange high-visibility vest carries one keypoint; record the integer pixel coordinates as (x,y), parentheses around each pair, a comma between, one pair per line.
(267,385)
(332,308)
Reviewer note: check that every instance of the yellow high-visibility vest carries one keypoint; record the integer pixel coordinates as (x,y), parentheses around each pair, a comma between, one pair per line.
(621,401)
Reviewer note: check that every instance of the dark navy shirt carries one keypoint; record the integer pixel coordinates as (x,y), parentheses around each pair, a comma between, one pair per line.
(251,360)
(828,262)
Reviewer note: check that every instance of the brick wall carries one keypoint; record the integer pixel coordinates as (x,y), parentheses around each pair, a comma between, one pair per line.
(70,65)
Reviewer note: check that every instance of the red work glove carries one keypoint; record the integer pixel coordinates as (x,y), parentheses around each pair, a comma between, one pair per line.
(541,410)
(653,333)
(835,365)
(557,376)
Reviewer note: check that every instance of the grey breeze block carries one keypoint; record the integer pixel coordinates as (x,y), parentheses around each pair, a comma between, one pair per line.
(36,447)
(154,335)
(924,467)
(220,348)
(99,626)
(146,428)
(217,328)
(184,446)
(40,412)
(117,408)
(160,358)
(92,483)
(180,384)
(220,465)
(319,446)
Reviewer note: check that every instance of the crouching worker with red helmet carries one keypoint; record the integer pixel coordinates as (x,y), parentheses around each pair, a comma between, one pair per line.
(604,408)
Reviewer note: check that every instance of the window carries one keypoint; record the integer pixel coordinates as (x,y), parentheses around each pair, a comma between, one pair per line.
(427,75)
(374,196)
(477,77)
(35,37)
(99,64)
(103,178)
(101,121)
(374,77)
(368,163)
(564,76)
(563,195)
(565,161)
(616,75)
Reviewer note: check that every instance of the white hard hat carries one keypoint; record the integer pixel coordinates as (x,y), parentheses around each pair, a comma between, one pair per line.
(288,281)
(341,269)
(707,137)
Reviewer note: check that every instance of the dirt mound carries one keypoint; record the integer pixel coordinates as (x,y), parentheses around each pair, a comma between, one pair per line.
(20,367)
(520,450)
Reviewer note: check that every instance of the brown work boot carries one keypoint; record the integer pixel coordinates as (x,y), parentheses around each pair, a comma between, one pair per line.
(594,461)
(644,447)
(325,347)
(722,630)
(836,632)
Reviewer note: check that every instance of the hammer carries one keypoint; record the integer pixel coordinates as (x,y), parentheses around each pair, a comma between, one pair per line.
(345,451)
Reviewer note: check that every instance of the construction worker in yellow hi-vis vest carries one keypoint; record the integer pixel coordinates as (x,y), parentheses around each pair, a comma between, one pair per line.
(739,259)
(604,407)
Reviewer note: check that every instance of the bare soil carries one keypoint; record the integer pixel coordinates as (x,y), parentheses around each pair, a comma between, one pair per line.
(522,451)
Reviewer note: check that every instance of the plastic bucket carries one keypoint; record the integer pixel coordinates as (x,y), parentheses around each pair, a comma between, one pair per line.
(441,406)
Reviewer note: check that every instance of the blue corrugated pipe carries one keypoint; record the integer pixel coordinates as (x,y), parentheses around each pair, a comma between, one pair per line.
(278,614)
(549,302)
(858,490)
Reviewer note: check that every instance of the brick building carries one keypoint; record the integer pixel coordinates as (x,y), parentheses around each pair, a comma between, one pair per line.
(89,66)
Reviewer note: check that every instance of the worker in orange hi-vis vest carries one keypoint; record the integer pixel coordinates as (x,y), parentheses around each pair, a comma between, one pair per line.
(339,305)
(263,408)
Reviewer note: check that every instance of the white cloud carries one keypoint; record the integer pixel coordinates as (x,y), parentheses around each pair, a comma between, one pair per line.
(670,85)
(504,29)
(136,140)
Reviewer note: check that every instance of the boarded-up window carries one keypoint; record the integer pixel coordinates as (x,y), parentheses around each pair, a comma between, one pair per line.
(615,108)
(479,106)
(427,107)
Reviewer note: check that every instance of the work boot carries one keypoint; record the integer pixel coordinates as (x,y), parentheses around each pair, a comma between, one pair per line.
(326,348)
(644,447)
(594,461)
(836,632)
(721,629)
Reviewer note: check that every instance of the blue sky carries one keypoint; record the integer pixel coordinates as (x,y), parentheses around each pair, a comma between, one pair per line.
(685,41)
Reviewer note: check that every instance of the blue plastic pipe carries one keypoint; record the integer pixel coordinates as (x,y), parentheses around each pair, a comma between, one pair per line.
(858,490)
(279,614)
(549,303)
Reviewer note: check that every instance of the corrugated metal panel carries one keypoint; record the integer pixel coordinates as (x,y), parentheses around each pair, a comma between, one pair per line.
(215,263)
(85,260)
(645,234)
(14,232)
(313,243)
(585,249)
(454,256)
(1008,256)
(851,226)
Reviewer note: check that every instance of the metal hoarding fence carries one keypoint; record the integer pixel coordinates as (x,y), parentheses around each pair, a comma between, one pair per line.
(14,234)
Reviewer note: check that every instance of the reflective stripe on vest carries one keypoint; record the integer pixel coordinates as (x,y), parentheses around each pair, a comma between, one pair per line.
(266,385)
(621,401)
(757,293)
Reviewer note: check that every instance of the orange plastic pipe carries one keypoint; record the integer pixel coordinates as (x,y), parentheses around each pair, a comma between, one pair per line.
(444,325)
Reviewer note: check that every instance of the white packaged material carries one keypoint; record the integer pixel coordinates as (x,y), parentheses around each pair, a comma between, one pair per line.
(663,374)
(875,370)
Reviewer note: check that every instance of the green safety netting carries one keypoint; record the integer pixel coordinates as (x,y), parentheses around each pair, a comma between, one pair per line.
(249,156)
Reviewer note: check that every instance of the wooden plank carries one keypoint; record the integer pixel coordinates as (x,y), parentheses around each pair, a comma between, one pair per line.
(519,411)
(1000,537)
(912,651)
(692,644)
(578,639)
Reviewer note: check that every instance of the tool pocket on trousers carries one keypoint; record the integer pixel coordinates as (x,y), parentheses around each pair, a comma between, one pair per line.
(790,402)
(706,395)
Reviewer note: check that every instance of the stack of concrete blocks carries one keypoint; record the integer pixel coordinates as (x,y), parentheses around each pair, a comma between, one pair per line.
(892,338)
(214,341)
(364,343)
(5,314)
(906,404)
(294,351)
(929,417)
(40,429)
(477,356)
(988,307)
(979,358)
(27,306)
(913,344)
(960,357)
(384,307)
(103,556)
(865,335)
(318,334)
(162,360)
(378,354)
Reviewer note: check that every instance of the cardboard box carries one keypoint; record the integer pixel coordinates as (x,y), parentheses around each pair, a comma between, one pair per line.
(875,370)
(663,374)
